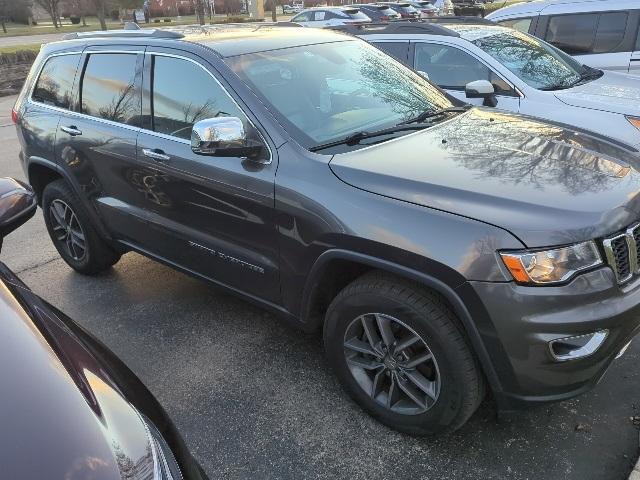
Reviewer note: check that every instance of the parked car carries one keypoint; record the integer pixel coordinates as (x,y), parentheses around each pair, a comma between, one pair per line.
(440,248)
(425,8)
(406,10)
(600,33)
(71,408)
(445,7)
(470,8)
(291,9)
(378,13)
(521,74)
(330,16)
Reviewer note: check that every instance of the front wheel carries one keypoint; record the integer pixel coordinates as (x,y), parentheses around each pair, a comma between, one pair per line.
(400,354)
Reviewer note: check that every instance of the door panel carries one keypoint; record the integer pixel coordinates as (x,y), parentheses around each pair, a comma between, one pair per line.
(214,214)
(96,143)
(617,62)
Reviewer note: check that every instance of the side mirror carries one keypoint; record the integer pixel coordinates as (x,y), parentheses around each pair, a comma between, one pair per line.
(482,89)
(223,137)
(17,205)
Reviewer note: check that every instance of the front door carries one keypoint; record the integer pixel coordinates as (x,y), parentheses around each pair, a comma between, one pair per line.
(452,69)
(209,214)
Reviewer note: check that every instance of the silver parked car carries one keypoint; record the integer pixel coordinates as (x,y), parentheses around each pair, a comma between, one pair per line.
(330,16)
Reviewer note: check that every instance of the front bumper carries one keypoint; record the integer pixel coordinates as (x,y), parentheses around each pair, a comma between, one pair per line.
(526,319)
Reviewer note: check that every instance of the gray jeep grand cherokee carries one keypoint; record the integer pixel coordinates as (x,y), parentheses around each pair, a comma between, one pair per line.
(441,249)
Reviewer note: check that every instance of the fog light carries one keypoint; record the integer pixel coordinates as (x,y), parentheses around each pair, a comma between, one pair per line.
(581,346)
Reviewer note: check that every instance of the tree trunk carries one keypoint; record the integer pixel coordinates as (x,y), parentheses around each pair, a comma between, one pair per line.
(200,11)
(100,12)
(84,21)
(274,8)
(4,26)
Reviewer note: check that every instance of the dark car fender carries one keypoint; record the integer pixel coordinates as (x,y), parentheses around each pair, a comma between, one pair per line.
(461,297)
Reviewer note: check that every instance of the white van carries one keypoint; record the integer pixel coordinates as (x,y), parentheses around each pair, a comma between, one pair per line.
(600,33)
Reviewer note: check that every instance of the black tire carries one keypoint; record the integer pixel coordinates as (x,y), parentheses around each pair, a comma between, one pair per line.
(412,310)
(94,256)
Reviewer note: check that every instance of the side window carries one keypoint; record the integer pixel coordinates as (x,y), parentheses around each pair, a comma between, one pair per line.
(398,50)
(611,29)
(303,17)
(319,15)
(175,109)
(55,83)
(638,41)
(587,33)
(108,88)
(520,24)
(451,68)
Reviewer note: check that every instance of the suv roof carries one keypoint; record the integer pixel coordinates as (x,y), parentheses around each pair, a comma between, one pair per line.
(537,6)
(453,27)
(226,40)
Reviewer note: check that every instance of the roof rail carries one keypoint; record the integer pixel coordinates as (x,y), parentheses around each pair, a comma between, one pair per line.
(408,27)
(461,19)
(128,33)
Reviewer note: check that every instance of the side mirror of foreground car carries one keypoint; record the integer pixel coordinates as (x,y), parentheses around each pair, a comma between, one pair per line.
(223,137)
(482,89)
(17,205)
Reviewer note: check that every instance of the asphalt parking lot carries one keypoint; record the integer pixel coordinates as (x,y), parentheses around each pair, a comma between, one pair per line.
(255,399)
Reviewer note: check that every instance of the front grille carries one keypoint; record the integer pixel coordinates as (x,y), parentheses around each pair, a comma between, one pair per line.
(622,252)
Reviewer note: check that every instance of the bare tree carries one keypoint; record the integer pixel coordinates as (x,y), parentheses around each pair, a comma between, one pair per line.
(101,12)
(78,7)
(52,7)
(199,7)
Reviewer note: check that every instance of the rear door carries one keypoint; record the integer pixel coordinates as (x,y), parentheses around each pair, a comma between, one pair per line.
(96,142)
(211,215)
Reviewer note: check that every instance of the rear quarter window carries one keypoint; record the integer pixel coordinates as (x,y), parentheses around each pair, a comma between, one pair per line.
(587,33)
(521,24)
(54,85)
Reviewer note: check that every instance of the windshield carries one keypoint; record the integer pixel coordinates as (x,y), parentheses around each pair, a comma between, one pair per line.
(535,62)
(324,92)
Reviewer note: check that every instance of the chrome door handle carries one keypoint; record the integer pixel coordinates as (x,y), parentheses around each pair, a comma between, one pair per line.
(155,154)
(73,131)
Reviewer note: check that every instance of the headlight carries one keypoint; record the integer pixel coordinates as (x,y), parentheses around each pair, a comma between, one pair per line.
(556,265)
(635,121)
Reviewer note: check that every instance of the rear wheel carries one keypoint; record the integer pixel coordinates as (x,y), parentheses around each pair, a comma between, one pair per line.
(72,233)
(400,354)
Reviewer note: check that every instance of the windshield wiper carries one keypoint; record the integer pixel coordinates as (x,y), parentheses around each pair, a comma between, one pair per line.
(588,74)
(356,138)
(427,114)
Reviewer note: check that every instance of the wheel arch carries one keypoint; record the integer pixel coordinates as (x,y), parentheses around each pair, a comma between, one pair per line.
(326,270)
(41,172)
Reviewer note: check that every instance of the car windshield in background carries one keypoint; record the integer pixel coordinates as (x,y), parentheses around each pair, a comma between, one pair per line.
(355,14)
(537,63)
(323,93)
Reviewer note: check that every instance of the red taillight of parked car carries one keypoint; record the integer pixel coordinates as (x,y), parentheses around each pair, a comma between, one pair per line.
(385,18)
(14,115)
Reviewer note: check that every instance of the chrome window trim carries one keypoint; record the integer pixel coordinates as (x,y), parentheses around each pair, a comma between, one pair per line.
(182,140)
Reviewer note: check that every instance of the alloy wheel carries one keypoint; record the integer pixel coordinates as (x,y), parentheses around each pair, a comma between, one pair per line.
(67,230)
(392,363)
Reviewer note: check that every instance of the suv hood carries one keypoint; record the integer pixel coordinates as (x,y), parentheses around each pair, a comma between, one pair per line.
(546,184)
(61,416)
(613,92)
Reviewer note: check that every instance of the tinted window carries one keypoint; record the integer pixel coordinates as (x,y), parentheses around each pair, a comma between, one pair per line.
(54,86)
(303,17)
(638,41)
(611,29)
(398,50)
(176,108)
(587,33)
(520,24)
(451,68)
(109,88)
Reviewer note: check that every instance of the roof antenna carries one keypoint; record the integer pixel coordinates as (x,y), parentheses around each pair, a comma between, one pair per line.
(131,26)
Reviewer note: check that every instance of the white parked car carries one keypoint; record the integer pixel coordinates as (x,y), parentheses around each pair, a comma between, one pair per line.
(502,67)
(291,9)
(330,16)
(600,33)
